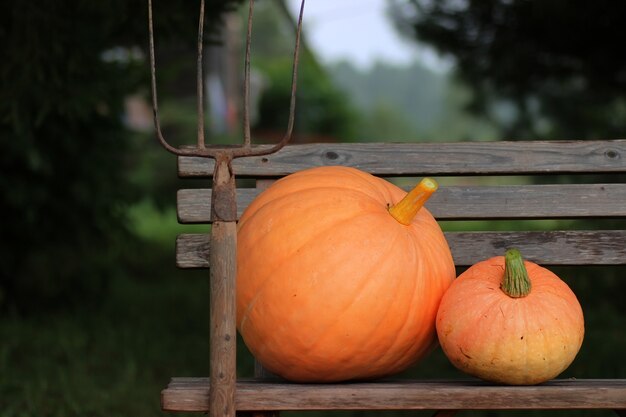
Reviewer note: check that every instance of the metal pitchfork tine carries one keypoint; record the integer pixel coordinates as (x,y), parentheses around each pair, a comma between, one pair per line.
(223,242)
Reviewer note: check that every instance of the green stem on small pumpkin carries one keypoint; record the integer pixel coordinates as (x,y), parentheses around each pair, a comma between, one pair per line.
(515,283)
(407,208)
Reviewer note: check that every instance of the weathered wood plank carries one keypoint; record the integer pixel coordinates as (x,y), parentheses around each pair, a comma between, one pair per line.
(191,394)
(468,203)
(222,306)
(192,251)
(404,159)
(606,247)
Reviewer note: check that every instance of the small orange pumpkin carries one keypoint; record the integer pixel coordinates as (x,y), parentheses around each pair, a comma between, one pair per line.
(510,321)
(332,283)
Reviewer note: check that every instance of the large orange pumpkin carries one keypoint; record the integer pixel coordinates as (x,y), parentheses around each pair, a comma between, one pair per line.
(331,285)
(510,321)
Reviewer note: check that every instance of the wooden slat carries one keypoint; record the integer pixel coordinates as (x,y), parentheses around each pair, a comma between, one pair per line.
(191,394)
(405,159)
(192,251)
(607,247)
(468,203)
(545,248)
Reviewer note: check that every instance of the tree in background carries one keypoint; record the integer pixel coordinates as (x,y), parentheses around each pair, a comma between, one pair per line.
(402,102)
(66,155)
(410,103)
(324,112)
(557,66)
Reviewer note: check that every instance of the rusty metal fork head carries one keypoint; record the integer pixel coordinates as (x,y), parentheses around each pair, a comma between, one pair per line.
(214,151)
(223,207)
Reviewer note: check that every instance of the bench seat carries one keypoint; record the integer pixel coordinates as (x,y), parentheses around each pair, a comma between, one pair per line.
(192,394)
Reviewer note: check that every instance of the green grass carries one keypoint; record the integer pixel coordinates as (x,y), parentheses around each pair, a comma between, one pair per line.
(159,226)
(109,361)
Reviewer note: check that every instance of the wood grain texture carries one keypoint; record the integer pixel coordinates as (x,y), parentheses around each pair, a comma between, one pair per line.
(467,203)
(602,247)
(191,394)
(192,251)
(223,333)
(405,159)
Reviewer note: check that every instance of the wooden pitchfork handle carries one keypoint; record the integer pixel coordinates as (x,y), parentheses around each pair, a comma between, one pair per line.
(223,241)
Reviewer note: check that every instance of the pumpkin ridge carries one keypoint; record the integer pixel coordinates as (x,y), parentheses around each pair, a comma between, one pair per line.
(287,258)
(252,209)
(321,203)
(553,310)
(545,337)
(487,313)
(477,330)
(376,186)
(437,244)
(419,227)
(247,214)
(525,325)
(550,287)
(430,253)
(371,181)
(281,205)
(516,324)
(402,329)
(426,287)
(355,297)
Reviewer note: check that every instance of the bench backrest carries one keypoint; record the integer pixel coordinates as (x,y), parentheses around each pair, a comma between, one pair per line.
(491,184)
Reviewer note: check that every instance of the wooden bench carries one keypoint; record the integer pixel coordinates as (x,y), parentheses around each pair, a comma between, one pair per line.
(470,197)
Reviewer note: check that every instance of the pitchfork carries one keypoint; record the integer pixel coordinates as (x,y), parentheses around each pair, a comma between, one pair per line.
(223,242)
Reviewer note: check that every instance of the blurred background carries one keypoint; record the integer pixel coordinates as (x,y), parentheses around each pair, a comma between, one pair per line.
(94,316)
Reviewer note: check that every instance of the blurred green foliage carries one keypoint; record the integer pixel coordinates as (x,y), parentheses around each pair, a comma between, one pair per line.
(323,111)
(66,159)
(113,360)
(410,103)
(559,65)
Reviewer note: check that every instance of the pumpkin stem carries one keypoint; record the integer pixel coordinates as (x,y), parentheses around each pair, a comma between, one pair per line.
(515,283)
(407,208)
